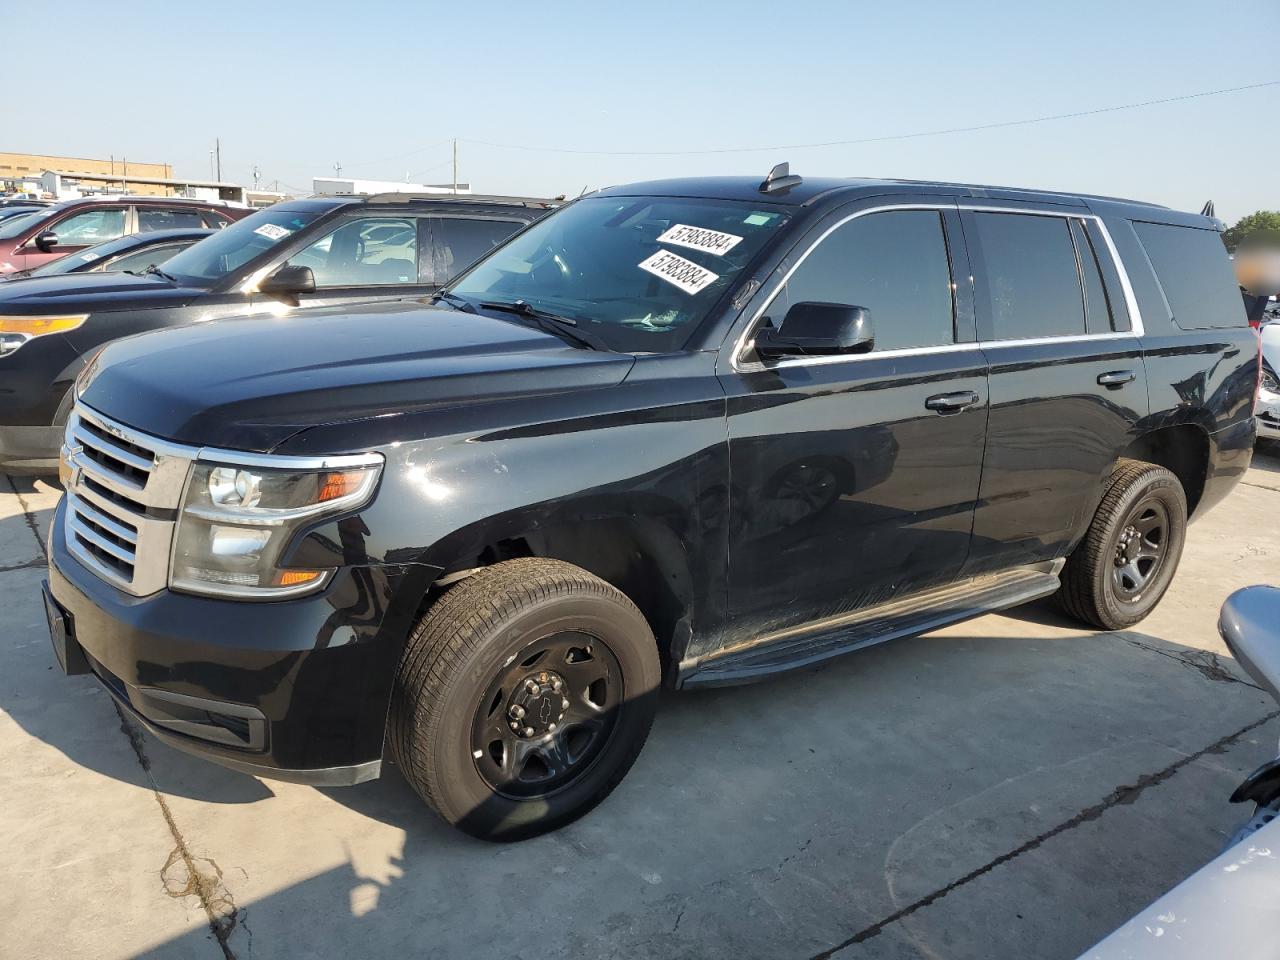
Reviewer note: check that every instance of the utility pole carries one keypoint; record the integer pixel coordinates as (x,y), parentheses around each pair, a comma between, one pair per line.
(337,170)
(455,164)
(211,176)
(217,146)
(257,175)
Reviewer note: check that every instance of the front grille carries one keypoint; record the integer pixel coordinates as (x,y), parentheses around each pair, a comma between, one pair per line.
(122,494)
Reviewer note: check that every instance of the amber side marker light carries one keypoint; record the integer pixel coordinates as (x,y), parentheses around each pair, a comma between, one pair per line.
(296,578)
(334,486)
(40,326)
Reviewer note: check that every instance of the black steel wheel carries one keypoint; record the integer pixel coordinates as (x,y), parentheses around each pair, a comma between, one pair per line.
(523,697)
(547,716)
(1127,559)
(1140,549)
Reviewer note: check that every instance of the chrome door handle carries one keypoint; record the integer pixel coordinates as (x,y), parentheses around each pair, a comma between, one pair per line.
(1116,378)
(951,402)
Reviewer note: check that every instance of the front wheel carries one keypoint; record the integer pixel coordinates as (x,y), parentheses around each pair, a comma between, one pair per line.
(523,697)
(1127,559)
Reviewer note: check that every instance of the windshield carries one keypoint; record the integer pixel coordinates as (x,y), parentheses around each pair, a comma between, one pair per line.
(639,272)
(16,226)
(76,260)
(231,248)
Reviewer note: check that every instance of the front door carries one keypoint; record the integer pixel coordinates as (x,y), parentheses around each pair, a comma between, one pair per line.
(854,478)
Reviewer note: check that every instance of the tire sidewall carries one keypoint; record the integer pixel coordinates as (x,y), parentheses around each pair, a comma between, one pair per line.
(465,797)
(1165,486)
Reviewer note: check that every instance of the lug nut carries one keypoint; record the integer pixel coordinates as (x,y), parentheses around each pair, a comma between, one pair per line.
(551,728)
(564,704)
(557,685)
(528,731)
(543,677)
(515,726)
(533,688)
(517,711)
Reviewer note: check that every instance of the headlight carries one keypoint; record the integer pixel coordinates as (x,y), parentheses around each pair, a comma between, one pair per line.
(238,519)
(15,331)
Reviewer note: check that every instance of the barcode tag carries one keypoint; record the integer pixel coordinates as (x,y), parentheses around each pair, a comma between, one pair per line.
(678,271)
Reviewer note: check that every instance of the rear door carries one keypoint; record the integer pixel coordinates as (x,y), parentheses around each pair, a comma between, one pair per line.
(850,483)
(1067,378)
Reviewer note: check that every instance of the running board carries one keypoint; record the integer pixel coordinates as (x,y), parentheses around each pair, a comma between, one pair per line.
(908,616)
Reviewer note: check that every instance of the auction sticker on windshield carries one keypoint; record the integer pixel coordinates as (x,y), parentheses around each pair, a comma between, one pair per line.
(678,271)
(272,232)
(700,238)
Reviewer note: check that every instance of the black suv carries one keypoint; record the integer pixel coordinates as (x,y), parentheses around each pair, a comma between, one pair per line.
(693,432)
(322,251)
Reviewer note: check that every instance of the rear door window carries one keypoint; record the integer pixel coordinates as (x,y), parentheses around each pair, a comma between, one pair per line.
(1195,275)
(1096,302)
(1033,283)
(459,242)
(895,264)
(167,218)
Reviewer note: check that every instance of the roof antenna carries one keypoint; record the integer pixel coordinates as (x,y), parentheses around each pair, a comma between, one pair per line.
(1207,210)
(780,179)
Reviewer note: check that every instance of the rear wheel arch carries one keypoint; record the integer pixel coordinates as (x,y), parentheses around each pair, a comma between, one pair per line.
(1183,450)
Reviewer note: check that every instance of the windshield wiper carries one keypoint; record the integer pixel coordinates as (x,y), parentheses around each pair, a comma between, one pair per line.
(158,272)
(455,301)
(564,327)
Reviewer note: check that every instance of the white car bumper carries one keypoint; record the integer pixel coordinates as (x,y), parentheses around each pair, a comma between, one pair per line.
(1268,414)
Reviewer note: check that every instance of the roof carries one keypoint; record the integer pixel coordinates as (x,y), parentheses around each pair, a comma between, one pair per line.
(813,189)
(478,198)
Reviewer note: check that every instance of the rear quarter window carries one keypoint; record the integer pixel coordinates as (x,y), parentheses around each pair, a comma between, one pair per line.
(1195,275)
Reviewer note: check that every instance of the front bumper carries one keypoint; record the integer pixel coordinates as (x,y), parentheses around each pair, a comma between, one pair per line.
(292,690)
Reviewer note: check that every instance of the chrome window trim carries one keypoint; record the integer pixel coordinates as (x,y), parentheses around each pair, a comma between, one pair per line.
(1137,328)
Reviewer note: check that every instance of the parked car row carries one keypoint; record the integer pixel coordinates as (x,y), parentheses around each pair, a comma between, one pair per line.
(324,251)
(682,433)
(69,227)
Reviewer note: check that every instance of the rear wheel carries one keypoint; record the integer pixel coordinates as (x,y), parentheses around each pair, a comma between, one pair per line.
(523,697)
(1127,559)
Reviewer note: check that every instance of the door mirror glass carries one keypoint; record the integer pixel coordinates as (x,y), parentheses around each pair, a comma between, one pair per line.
(46,240)
(817,329)
(288,282)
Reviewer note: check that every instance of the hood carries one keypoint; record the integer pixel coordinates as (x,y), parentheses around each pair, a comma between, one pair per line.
(249,384)
(91,293)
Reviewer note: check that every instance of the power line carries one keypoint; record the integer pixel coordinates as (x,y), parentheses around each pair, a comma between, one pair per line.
(885,138)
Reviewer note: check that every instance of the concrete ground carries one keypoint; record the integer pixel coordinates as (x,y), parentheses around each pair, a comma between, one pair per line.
(1015,786)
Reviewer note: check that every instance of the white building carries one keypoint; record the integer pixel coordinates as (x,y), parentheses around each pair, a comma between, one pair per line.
(331,185)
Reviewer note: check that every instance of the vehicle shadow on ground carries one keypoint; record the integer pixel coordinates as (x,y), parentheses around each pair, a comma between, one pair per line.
(736,784)
(1266,456)
(74,714)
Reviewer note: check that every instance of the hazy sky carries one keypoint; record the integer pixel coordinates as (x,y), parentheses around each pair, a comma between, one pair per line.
(383,87)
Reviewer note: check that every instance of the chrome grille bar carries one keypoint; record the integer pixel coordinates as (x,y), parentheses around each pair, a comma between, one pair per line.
(124,488)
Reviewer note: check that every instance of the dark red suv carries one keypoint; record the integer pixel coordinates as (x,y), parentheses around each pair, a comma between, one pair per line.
(67,227)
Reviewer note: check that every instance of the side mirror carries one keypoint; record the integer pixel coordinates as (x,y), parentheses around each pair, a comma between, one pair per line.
(46,240)
(287,282)
(817,329)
